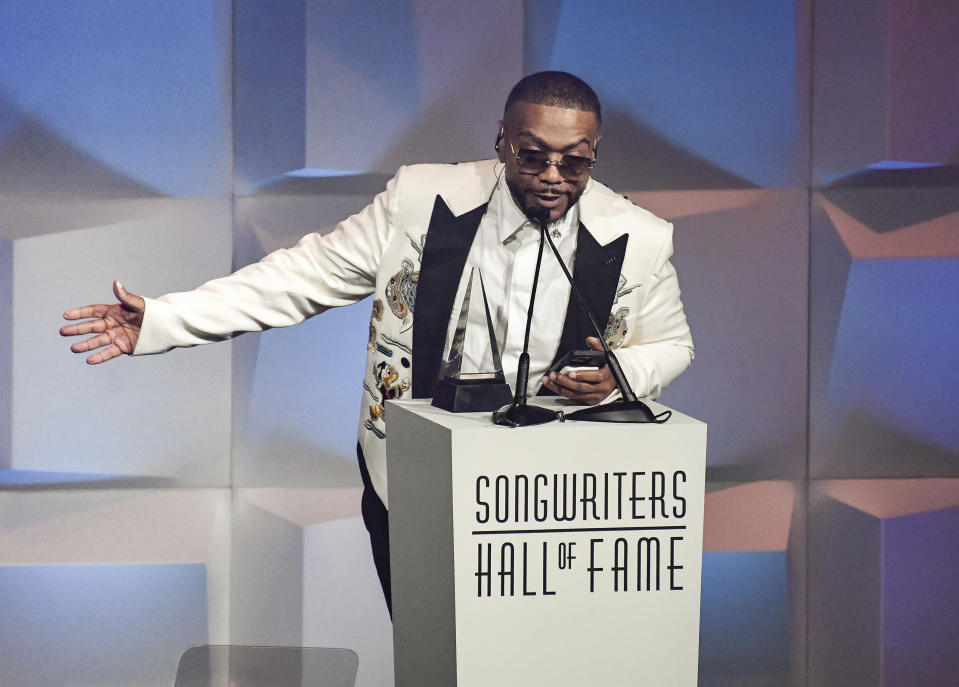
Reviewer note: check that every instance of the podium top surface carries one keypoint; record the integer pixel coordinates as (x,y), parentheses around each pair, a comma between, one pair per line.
(483,421)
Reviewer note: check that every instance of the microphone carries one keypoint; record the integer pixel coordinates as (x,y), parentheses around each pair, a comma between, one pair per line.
(518,413)
(627,409)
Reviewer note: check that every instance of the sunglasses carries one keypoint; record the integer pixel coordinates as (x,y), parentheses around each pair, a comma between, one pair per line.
(532,161)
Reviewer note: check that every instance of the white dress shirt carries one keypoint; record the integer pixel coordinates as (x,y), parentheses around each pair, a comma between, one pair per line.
(504,250)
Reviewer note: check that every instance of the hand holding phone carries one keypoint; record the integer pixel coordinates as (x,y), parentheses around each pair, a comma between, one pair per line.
(579,360)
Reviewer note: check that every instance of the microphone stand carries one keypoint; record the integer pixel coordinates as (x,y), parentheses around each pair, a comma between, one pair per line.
(627,409)
(518,413)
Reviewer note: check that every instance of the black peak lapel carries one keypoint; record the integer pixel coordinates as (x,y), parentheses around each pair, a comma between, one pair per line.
(596,272)
(448,242)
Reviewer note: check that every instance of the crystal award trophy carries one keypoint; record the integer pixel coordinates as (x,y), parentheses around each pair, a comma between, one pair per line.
(467,392)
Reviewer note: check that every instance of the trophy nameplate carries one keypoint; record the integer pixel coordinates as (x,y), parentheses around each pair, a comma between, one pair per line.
(468,392)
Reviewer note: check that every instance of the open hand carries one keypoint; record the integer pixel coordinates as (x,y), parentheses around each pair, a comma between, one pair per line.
(117,326)
(584,386)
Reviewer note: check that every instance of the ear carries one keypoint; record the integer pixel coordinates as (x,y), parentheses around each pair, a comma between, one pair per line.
(500,149)
(596,145)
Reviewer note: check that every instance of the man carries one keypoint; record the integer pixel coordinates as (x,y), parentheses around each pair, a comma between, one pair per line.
(411,247)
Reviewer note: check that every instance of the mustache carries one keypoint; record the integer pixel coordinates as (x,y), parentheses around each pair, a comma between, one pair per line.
(551,190)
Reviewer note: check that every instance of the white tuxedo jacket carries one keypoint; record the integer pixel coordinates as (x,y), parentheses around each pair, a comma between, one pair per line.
(409,247)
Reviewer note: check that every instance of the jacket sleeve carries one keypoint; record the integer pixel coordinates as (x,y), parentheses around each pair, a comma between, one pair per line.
(660,346)
(284,288)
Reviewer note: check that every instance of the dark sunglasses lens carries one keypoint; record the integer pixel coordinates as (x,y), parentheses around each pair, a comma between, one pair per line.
(574,165)
(535,161)
(532,161)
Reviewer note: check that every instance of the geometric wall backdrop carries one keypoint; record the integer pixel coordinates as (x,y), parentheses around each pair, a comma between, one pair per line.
(807,153)
(408,80)
(43,645)
(662,66)
(123,100)
(110,587)
(300,580)
(884,86)
(743,257)
(753,606)
(887,552)
(288,429)
(69,417)
(301,82)
(885,336)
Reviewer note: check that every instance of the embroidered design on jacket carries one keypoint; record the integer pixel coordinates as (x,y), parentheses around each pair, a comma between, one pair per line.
(388,346)
(400,293)
(418,245)
(615,332)
(396,343)
(389,385)
(377,432)
(623,290)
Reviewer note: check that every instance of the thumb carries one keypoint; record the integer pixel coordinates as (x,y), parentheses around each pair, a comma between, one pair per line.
(128,299)
(594,343)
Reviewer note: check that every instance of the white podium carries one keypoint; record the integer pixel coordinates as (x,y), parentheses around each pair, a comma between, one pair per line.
(561,554)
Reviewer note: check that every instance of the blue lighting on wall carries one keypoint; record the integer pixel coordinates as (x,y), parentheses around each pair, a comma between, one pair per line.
(140,87)
(744,619)
(897,346)
(679,60)
(99,624)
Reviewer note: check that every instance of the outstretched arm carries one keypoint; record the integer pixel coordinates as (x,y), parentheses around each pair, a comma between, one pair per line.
(117,326)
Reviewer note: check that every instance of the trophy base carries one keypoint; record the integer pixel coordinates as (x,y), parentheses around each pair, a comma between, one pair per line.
(471,395)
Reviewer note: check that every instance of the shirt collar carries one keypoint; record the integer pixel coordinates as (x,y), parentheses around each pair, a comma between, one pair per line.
(510,218)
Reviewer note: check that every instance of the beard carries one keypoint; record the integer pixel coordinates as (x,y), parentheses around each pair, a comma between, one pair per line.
(536,200)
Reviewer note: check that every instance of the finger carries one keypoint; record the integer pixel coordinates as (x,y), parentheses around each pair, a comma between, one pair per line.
(559,390)
(555,382)
(566,383)
(131,300)
(83,328)
(86,311)
(91,343)
(108,353)
(587,376)
(586,399)
(594,343)
(590,398)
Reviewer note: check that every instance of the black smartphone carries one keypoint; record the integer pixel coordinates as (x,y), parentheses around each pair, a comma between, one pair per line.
(579,360)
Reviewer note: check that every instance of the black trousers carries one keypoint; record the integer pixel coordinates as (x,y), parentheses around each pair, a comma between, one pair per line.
(377,521)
